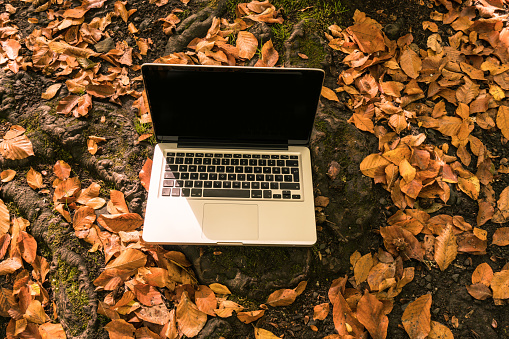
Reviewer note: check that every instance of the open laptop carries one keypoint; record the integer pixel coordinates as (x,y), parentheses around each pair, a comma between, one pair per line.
(231,166)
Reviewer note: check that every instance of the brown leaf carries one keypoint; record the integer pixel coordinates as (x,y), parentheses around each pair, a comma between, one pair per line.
(145,173)
(51,91)
(41,269)
(205,300)
(68,190)
(128,260)
(370,313)
(446,248)
(249,317)
(470,186)
(52,331)
(27,246)
(147,295)
(329,94)
(372,163)
(501,236)
(362,268)
(398,240)
(35,313)
(120,329)
(500,285)
(5,219)
(7,175)
(479,291)
(468,92)
(118,201)
(16,146)
(503,120)
(84,217)
(84,105)
(226,308)
(285,297)
(247,44)
(219,289)
(439,331)
(410,63)
(64,48)
(261,333)
(34,179)
(190,319)
(321,311)
(88,193)
(5,240)
(368,35)
(417,318)
(269,55)
(6,301)
(120,222)
(10,265)
(62,170)
(362,122)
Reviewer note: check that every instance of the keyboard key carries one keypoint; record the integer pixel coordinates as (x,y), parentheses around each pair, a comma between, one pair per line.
(237,156)
(222,176)
(204,176)
(236,184)
(284,156)
(189,154)
(197,161)
(255,185)
(250,177)
(244,162)
(239,169)
(183,168)
(294,157)
(256,194)
(265,185)
(289,186)
(216,161)
(259,177)
(295,173)
(227,184)
(228,155)
(285,170)
(292,163)
(246,155)
(207,161)
(192,168)
(186,192)
(235,162)
(180,154)
(188,183)
(269,177)
(266,170)
(241,177)
(276,196)
(272,162)
(179,160)
(179,183)
(168,183)
(276,170)
(184,176)
(166,192)
(211,168)
(170,160)
(295,196)
(286,196)
(225,193)
(265,156)
(175,192)
(230,169)
(253,162)
(170,154)
(257,170)
(232,177)
(220,169)
(207,184)
(188,161)
(196,192)
(225,161)
(245,184)
(209,155)
(267,194)
(213,176)
(202,168)
(274,156)
(274,185)
(279,177)
(169,175)
(217,155)
(262,162)
(248,169)
(199,155)
(288,178)
(193,176)
(217,184)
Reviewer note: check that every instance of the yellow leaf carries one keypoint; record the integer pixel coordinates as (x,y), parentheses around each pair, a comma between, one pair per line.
(439,331)
(260,333)
(497,92)
(470,186)
(35,313)
(7,175)
(417,318)
(362,268)
(500,285)
(407,171)
(34,179)
(329,94)
(446,248)
(190,319)
(219,289)
(51,91)
(372,163)
(503,120)
(410,63)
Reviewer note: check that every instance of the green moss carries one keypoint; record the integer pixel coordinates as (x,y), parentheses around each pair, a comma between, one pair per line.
(67,277)
(31,124)
(144,129)
(314,51)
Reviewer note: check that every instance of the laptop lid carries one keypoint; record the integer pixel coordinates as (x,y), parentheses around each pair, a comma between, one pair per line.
(232,106)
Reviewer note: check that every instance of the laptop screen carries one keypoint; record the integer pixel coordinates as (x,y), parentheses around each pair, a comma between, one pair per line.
(232,105)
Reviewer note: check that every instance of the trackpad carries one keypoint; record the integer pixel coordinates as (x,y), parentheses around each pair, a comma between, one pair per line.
(230,222)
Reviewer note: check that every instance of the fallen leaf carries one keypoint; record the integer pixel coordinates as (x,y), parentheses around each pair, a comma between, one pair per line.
(410,63)
(62,170)
(372,163)
(205,300)
(120,222)
(10,265)
(7,175)
(439,331)
(249,317)
(120,329)
(118,201)
(446,248)
(34,179)
(51,91)
(219,289)
(501,236)
(321,311)
(189,318)
(417,318)
(145,173)
(16,145)
(260,333)
(88,193)
(329,94)
(285,297)
(503,120)
(247,44)
(128,260)
(500,285)
(370,313)
(227,307)
(5,219)
(35,313)
(479,291)
(362,268)
(52,331)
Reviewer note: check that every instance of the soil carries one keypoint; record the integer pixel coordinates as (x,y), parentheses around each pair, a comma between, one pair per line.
(357,208)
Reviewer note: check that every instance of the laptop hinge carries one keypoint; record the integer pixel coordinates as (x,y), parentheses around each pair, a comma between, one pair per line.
(201,144)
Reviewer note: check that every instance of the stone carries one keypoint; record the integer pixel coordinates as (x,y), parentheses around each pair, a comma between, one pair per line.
(455,277)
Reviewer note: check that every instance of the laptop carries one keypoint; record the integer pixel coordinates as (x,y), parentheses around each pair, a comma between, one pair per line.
(232,164)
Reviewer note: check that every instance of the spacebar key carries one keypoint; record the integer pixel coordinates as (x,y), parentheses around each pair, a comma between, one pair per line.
(224,193)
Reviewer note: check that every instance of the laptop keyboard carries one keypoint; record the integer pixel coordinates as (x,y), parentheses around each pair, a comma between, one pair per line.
(232,175)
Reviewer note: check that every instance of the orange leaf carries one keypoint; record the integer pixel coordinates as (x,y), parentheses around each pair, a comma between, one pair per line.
(190,319)
(84,105)
(269,55)
(84,217)
(145,173)
(5,219)
(219,289)
(321,311)
(62,170)
(16,147)
(470,186)
(118,201)
(120,222)
(34,179)
(446,248)
(51,91)
(362,122)
(68,190)
(158,314)
(503,120)
(52,331)
(88,193)
(479,291)
(10,265)
(205,300)
(147,295)
(362,268)
(35,313)
(439,331)
(372,163)
(5,240)
(482,274)
(329,94)
(410,63)
(128,260)
(226,308)
(370,313)
(417,318)
(249,317)
(285,297)
(500,285)
(247,44)
(65,213)
(120,329)
(398,240)
(260,333)
(7,175)
(6,301)
(501,236)
(66,105)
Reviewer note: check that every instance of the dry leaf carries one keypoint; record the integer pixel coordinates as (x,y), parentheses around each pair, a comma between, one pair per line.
(439,331)
(62,170)
(501,236)
(190,319)
(329,94)
(120,329)
(362,268)
(249,317)
(370,313)
(128,260)
(35,313)
(219,289)
(7,175)
(372,163)
(410,63)
(500,285)
(34,179)
(52,331)
(205,300)
(285,297)
(247,44)
(417,318)
(51,91)
(260,333)
(503,120)
(446,248)
(321,311)
(120,222)
(118,201)
(145,173)
(479,291)
(16,145)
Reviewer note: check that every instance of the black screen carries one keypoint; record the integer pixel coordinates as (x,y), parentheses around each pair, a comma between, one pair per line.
(232,104)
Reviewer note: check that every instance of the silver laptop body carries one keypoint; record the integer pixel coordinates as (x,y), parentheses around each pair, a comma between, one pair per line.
(232,164)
